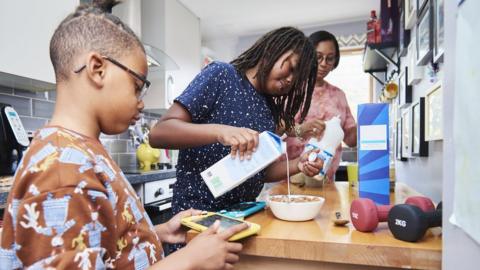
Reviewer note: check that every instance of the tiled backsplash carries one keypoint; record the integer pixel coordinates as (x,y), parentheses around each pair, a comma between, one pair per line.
(36,109)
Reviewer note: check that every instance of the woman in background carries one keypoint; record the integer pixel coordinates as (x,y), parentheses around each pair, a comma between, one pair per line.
(327,101)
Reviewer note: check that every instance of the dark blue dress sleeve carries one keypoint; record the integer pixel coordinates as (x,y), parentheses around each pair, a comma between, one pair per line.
(202,93)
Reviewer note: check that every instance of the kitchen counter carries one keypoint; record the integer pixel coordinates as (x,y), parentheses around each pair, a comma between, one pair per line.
(318,243)
(154,175)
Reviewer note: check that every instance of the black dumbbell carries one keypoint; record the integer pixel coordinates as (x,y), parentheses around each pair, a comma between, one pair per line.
(409,222)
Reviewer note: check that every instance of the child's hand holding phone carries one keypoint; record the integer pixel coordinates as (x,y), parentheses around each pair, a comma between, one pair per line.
(211,248)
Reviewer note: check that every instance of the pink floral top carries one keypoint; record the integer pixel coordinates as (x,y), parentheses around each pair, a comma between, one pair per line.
(327,102)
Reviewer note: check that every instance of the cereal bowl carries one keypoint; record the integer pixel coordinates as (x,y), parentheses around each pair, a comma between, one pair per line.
(299,208)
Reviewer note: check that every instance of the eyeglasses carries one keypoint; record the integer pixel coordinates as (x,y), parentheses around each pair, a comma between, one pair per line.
(141,91)
(330,59)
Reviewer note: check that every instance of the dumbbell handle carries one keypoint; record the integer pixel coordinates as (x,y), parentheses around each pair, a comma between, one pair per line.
(382,212)
(434,218)
(421,202)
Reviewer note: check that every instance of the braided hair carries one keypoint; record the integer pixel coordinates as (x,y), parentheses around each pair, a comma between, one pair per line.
(91,27)
(264,53)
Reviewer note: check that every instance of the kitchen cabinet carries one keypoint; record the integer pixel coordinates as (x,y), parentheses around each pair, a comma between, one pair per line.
(26,27)
(169,26)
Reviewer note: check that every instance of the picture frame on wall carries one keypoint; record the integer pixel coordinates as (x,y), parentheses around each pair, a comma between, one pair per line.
(415,73)
(398,141)
(403,35)
(419,144)
(424,36)
(410,7)
(404,90)
(439,30)
(406,133)
(434,113)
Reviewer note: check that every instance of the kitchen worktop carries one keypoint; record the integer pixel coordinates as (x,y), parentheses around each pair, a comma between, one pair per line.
(310,244)
(150,176)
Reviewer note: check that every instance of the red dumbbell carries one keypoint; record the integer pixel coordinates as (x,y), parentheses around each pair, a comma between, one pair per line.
(365,214)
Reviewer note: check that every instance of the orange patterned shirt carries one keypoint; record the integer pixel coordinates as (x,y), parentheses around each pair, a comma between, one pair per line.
(71,207)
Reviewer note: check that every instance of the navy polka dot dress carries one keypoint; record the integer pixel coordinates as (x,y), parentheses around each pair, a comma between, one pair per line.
(218,95)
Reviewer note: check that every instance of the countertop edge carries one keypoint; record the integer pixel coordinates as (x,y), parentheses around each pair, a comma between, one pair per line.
(344,253)
(135,179)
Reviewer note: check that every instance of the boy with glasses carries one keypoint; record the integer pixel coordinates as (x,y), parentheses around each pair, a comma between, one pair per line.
(70,206)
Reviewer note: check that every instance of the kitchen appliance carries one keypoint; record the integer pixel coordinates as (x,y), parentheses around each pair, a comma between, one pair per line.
(13,140)
(158,199)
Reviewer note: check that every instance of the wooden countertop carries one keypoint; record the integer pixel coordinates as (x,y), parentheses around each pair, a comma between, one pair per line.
(320,240)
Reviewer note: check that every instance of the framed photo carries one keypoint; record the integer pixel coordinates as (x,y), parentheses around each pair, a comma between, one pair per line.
(410,8)
(403,35)
(406,133)
(419,145)
(404,90)
(421,5)
(434,113)
(424,36)
(398,141)
(439,30)
(415,73)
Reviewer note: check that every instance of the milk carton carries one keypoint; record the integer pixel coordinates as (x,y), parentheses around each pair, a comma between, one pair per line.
(228,173)
(332,138)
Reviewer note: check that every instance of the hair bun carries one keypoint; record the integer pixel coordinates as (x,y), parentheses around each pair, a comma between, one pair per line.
(105,5)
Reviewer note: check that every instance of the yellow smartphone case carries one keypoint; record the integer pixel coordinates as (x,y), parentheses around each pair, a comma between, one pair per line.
(198,223)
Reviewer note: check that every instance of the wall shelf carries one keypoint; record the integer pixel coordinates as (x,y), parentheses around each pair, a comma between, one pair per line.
(377,57)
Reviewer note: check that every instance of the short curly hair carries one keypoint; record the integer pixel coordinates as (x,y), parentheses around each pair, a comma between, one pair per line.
(90,28)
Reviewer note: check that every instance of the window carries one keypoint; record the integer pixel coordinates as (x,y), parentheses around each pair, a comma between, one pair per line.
(350,77)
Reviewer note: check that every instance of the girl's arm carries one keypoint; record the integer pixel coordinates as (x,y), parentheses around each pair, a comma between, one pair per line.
(175,130)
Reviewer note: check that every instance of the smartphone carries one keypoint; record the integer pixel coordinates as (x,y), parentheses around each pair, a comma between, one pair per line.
(243,209)
(202,222)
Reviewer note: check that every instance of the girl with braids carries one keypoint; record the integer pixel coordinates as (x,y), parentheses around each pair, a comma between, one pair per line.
(225,107)
(70,206)
(327,101)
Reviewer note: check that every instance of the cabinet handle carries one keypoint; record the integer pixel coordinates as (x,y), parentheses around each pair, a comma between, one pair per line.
(158,192)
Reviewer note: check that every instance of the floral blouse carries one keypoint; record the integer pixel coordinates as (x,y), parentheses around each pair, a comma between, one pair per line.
(71,207)
(327,102)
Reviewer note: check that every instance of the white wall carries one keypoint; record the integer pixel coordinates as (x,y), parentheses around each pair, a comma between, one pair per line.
(228,48)
(169,26)
(223,49)
(341,29)
(182,42)
(424,174)
(26,28)
(459,250)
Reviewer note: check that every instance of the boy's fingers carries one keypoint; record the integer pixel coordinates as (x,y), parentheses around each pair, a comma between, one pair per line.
(190,212)
(213,228)
(234,247)
(228,266)
(226,234)
(232,258)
